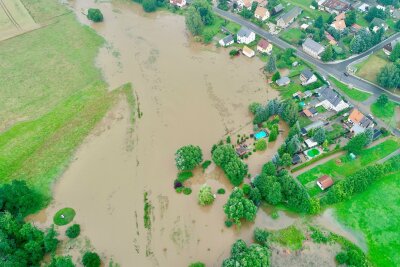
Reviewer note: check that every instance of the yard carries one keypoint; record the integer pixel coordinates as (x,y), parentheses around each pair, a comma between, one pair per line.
(369,68)
(339,168)
(386,113)
(376,214)
(353,93)
(293,35)
(305,5)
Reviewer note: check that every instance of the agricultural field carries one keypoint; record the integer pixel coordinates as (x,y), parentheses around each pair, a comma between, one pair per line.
(369,68)
(14,19)
(339,168)
(375,213)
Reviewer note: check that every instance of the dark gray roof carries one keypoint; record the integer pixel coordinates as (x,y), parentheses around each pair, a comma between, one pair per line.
(307,73)
(296,159)
(331,96)
(313,110)
(283,80)
(313,45)
(244,32)
(378,22)
(277,9)
(365,122)
(228,39)
(314,125)
(293,13)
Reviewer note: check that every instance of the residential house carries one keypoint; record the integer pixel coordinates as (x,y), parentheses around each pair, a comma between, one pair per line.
(310,112)
(241,150)
(263,3)
(310,143)
(335,6)
(359,121)
(331,100)
(338,25)
(330,38)
(324,182)
(298,95)
(313,48)
(261,13)
(247,4)
(355,28)
(277,9)
(227,40)
(245,36)
(264,46)
(378,24)
(307,77)
(304,26)
(286,19)
(396,14)
(389,47)
(283,81)
(178,3)
(248,52)
(312,126)
(341,16)
(363,8)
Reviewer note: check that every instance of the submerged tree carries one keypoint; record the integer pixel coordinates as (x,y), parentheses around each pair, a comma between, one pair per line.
(206,196)
(188,157)
(94,14)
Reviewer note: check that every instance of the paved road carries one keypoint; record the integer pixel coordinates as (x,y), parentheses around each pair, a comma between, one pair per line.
(334,69)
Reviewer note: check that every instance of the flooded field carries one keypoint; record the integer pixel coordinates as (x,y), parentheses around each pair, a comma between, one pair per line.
(187,93)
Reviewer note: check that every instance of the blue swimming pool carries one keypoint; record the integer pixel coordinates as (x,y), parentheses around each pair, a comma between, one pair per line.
(260,134)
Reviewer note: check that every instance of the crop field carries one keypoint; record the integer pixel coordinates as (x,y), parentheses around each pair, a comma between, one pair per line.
(14,19)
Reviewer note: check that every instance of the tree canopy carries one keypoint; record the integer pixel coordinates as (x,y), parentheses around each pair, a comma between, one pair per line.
(206,197)
(242,255)
(188,157)
(95,15)
(239,207)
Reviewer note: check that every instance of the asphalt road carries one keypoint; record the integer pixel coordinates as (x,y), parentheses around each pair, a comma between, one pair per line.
(335,69)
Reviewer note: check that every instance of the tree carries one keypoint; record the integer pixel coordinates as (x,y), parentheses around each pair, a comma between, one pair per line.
(327,55)
(188,157)
(260,236)
(273,134)
(269,169)
(319,23)
(357,143)
(149,5)
(193,21)
(270,67)
(253,107)
(255,255)
(395,55)
(314,4)
(351,18)
(294,145)
(50,240)
(331,18)
(95,15)
(319,136)
(389,76)
(197,264)
(206,196)
(261,145)
(91,259)
(61,261)
(239,207)
(286,160)
(382,100)
(203,8)
(73,231)
(375,12)
(276,76)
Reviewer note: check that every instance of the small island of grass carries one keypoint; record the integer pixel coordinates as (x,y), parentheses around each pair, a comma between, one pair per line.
(64,216)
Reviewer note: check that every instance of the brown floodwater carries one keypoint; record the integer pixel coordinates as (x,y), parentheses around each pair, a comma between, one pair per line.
(189,94)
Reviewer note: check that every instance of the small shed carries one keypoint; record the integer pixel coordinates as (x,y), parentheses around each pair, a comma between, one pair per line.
(324,182)
(296,159)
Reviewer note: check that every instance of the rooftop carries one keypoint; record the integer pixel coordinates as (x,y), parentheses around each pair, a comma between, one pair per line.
(293,13)
(313,45)
(324,182)
(307,74)
(331,96)
(244,32)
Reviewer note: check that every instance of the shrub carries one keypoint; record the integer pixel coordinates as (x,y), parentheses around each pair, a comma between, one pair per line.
(261,236)
(205,164)
(179,189)
(149,5)
(197,264)
(246,189)
(228,223)
(187,190)
(188,157)
(221,191)
(341,257)
(261,145)
(95,15)
(73,231)
(183,176)
(206,197)
(91,259)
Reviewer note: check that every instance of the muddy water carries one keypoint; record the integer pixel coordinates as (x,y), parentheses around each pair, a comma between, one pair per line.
(189,94)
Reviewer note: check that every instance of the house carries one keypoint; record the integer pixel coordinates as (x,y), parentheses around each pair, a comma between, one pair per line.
(363,8)
(286,19)
(298,94)
(324,182)
(264,46)
(355,28)
(310,143)
(378,24)
(262,2)
(277,9)
(261,13)
(312,126)
(330,100)
(396,14)
(248,52)
(310,112)
(283,81)
(245,36)
(307,77)
(296,159)
(178,3)
(335,6)
(340,17)
(227,40)
(389,47)
(330,38)
(247,4)
(359,121)
(241,150)
(313,48)
(304,26)
(338,25)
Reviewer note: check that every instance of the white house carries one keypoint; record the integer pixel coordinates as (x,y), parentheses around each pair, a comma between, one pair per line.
(261,13)
(313,48)
(286,19)
(248,52)
(178,3)
(330,100)
(245,36)
(307,77)
(227,40)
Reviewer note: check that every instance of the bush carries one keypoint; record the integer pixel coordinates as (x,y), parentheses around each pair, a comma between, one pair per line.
(197,264)
(261,236)
(341,257)
(187,190)
(188,157)
(205,164)
(261,145)
(246,189)
(183,176)
(179,189)
(149,5)
(73,231)
(91,259)
(228,223)
(95,15)
(205,197)
(221,191)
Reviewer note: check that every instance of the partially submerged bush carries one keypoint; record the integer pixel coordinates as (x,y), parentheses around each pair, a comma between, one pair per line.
(95,15)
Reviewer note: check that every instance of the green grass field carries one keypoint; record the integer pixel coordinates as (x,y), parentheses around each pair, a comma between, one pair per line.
(347,167)
(386,112)
(44,10)
(376,214)
(292,36)
(369,68)
(353,93)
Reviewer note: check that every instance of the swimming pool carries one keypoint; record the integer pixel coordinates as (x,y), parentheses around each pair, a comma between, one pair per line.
(260,134)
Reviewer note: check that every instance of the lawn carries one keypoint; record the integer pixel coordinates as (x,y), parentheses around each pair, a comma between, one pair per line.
(369,68)
(337,131)
(290,237)
(64,216)
(292,36)
(353,93)
(305,5)
(44,10)
(386,112)
(376,214)
(346,167)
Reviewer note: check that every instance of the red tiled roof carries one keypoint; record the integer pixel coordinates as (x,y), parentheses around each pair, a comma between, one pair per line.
(325,181)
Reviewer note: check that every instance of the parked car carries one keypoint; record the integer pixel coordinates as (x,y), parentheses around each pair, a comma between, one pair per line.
(346,74)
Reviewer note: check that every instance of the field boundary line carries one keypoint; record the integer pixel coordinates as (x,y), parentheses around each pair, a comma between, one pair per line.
(9,15)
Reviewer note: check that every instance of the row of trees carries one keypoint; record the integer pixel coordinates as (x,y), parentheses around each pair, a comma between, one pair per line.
(224,156)
(360,181)
(198,15)
(365,39)
(254,255)
(286,110)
